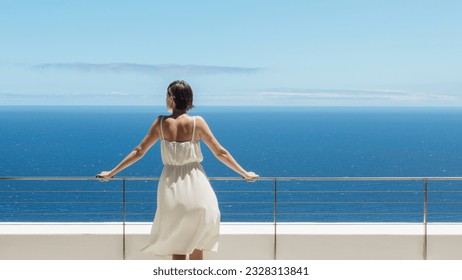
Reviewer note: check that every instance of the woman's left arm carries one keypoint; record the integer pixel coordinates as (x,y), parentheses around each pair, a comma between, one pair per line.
(149,140)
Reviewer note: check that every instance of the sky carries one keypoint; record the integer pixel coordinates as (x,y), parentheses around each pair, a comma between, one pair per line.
(232,53)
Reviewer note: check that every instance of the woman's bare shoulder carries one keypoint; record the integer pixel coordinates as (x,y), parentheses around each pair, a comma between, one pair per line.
(200,121)
(202,127)
(163,118)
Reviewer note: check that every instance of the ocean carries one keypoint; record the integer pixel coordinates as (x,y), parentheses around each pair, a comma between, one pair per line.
(272,141)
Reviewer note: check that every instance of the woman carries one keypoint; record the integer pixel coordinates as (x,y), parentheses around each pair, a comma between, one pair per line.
(187,218)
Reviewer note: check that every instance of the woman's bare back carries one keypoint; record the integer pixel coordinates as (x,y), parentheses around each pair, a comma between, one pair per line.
(178,129)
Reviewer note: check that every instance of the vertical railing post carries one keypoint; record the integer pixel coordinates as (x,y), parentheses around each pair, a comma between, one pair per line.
(275,219)
(124,215)
(425,221)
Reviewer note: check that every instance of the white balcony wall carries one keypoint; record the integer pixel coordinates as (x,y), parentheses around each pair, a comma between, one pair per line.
(294,241)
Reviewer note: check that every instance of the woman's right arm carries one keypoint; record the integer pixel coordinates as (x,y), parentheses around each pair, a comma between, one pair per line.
(150,139)
(220,152)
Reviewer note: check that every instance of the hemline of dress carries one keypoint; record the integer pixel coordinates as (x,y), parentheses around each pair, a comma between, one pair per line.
(149,251)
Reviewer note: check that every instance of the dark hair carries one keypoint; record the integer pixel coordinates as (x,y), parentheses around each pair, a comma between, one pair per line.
(182,95)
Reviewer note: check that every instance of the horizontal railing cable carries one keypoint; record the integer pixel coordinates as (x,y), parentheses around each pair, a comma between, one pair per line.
(84,178)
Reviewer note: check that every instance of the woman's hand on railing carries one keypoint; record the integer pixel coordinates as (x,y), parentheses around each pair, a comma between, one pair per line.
(104,176)
(251,176)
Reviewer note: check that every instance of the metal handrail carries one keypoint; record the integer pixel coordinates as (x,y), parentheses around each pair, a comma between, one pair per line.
(137,178)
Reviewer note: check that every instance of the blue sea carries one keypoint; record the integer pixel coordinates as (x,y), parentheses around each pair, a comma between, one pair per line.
(272,141)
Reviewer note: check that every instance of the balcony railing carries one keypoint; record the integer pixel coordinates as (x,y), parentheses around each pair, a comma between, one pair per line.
(271,199)
(274,200)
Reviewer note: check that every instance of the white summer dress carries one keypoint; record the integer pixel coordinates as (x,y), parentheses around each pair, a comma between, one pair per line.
(187,215)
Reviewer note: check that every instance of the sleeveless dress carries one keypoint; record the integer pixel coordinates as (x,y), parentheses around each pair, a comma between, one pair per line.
(187,215)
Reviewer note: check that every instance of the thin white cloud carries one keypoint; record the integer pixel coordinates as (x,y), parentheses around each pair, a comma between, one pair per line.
(338,94)
(147,68)
(105,98)
(268,97)
(333,97)
(118,93)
